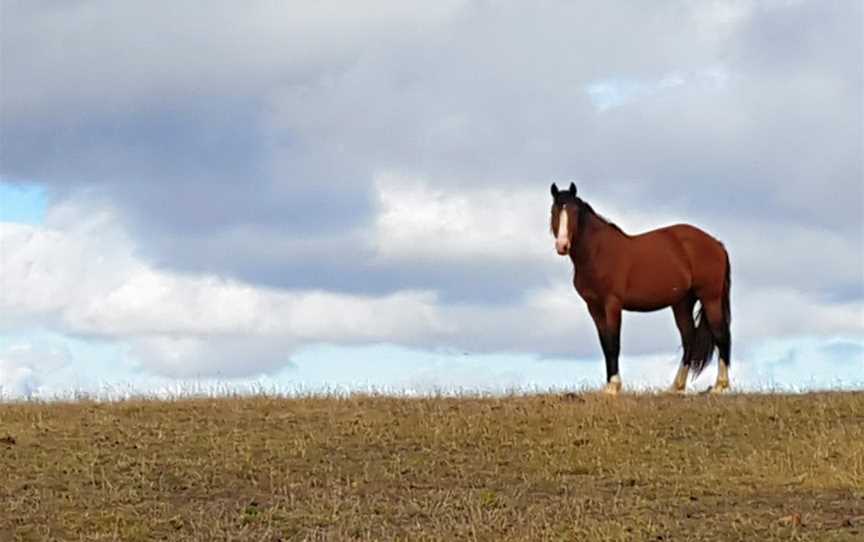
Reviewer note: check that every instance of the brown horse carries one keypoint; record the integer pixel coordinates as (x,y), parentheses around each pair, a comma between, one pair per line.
(669,267)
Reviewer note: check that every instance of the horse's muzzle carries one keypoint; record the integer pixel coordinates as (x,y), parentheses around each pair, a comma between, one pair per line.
(562,248)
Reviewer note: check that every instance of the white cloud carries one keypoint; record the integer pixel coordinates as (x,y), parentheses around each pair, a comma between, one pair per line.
(22,363)
(81,275)
(86,281)
(420,222)
(16,380)
(763,313)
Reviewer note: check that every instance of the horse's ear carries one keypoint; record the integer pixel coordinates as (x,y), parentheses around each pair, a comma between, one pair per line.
(554,190)
(573,189)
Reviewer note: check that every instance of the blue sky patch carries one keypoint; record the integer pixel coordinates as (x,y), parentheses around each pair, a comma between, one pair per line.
(22,203)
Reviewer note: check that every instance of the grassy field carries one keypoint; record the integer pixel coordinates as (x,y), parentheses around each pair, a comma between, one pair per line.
(545,467)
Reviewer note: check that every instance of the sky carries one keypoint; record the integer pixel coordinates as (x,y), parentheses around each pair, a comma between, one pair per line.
(327,196)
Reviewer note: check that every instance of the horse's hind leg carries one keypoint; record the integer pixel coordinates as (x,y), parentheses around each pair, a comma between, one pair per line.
(683,311)
(723,338)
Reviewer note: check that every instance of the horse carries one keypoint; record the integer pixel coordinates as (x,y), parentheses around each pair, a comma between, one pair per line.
(674,266)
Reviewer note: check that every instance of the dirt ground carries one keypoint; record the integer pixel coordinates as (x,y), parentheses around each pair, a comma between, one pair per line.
(543,467)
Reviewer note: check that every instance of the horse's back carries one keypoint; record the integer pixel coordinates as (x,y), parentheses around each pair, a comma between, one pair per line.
(667,262)
(678,242)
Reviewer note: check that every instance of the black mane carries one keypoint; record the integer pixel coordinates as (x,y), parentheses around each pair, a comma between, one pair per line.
(585,210)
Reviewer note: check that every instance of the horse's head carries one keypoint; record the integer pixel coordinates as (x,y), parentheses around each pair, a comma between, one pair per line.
(565,218)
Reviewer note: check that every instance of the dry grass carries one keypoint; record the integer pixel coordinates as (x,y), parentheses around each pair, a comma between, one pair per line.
(577,467)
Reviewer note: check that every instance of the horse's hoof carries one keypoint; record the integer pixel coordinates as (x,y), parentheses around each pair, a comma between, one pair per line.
(612,388)
(718,389)
(676,391)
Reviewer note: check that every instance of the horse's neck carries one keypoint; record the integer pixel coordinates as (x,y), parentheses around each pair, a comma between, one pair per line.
(596,233)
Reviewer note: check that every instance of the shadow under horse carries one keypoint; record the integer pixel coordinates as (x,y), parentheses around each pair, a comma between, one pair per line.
(675,267)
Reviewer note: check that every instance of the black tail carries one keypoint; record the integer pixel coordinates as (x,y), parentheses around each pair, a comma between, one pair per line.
(727,310)
(727,314)
(699,350)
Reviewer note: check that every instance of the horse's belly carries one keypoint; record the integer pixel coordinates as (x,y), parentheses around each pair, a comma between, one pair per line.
(655,287)
(648,305)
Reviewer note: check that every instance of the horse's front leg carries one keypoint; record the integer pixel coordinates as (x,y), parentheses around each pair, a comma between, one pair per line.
(607,318)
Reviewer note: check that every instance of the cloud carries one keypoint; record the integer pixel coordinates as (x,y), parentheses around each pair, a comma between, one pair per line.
(228,178)
(141,53)
(88,280)
(16,380)
(292,124)
(23,363)
(417,221)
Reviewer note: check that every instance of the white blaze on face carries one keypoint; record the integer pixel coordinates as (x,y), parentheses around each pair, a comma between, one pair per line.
(562,242)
